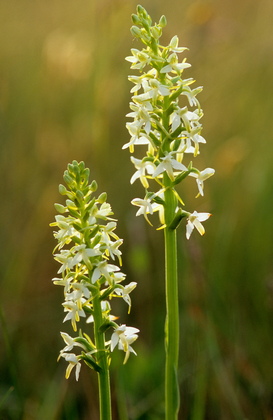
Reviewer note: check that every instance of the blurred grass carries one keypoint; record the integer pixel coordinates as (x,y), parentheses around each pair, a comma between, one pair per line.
(64,95)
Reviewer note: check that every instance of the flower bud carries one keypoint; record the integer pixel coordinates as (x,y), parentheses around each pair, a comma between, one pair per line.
(86,173)
(163,21)
(62,189)
(135,31)
(70,203)
(135,19)
(79,195)
(71,166)
(60,208)
(80,166)
(67,178)
(93,186)
(145,36)
(156,32)
(146,25)
(141,10)
(102,198)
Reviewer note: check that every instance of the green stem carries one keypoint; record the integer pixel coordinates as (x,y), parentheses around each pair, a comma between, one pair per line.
(103,375)
(102,354)
(172,309)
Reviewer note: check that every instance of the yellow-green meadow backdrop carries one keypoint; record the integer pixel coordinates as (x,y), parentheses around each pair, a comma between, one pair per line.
(64,95)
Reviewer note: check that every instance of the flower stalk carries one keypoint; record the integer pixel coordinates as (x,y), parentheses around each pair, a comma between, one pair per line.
(103,374)
(166,120)
(87,243)
(172,311)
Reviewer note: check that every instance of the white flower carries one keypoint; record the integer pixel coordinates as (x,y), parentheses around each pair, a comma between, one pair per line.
(152,90)
(137,80)
(111,247)
(146,207)
(142,167)
(139,59)
(191,95)
(66,282)
(136,138)
(118,277)
(158,89)
(134,127)
(83,254)
(79,294)
(185,116)
(195,137)
(74,313)
(174,66)
(174,45)
(70,343)
(168,164)
(201,177)
(73,362)
(108,232)
(194,221)
(65,259)
(124,291)
(184,147)
(103,213)
(66,230)
(124,336)
(141,114)
(106,308)
(104,269)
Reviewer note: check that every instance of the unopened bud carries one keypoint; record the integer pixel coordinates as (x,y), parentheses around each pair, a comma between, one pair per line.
(141,10)
(60,208)
(156,32)
(94,186)
(102,198)
(62,189)
(67,178)
(135,19)
(135,31)
(163,21)
(79,195)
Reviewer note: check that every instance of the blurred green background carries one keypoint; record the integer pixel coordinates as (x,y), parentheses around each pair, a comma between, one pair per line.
(64,95)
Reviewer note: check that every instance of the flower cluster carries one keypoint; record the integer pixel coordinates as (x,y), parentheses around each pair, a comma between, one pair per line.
(86,243)
(166,120)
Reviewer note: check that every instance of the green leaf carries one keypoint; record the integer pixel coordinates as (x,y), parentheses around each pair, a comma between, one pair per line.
(90,361)
(106,325)
(180,177)
(180,214)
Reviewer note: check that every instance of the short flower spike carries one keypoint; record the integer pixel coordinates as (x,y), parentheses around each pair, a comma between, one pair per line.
(87,251)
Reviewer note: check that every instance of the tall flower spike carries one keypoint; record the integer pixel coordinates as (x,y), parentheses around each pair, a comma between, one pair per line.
(166,121)
(166,116)
(85,231)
